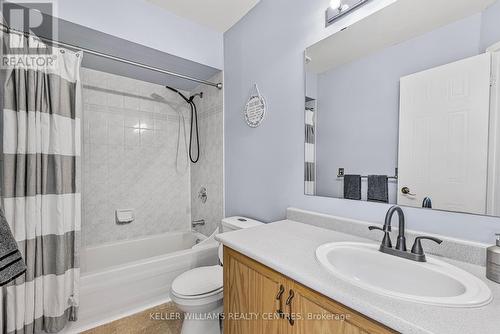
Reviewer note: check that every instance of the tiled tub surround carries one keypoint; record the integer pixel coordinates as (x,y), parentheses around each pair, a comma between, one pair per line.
(135,157)
(208,172)
(130,160)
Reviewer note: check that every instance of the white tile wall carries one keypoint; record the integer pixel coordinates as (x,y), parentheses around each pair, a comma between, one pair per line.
(131,132)
(208,172)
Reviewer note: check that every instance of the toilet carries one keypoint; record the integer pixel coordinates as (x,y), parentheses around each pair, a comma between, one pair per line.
(198,292)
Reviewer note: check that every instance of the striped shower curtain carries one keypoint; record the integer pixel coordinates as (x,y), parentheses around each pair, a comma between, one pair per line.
(40,188)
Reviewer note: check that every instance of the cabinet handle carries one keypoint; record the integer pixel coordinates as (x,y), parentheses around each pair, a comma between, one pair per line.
(279,303)
(289,304)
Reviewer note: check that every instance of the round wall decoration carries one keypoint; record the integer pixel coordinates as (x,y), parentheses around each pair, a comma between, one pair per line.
(255,109)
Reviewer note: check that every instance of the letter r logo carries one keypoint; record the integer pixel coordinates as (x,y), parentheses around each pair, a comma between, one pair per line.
(30,17)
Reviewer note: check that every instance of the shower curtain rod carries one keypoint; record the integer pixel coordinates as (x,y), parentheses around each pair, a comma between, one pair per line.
(6,28)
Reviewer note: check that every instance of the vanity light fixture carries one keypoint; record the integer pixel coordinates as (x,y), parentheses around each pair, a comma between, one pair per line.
(339,8)
(335,4)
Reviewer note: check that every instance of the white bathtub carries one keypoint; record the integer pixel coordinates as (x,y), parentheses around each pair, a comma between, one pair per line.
(122,278)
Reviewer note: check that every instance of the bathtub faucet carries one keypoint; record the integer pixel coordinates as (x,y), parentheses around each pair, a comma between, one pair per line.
(199,222)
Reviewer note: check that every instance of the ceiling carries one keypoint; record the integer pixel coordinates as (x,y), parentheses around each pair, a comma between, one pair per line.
(393,24)
(219,15)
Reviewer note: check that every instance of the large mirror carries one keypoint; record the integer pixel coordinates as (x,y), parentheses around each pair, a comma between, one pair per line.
(403,107)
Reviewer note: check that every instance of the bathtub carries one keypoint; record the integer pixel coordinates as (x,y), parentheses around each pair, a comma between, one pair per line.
(122,278)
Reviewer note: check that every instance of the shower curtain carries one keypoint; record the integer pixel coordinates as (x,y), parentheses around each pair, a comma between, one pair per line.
(310,153)
(40,187)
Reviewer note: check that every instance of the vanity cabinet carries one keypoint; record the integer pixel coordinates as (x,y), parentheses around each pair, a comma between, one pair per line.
(258,299)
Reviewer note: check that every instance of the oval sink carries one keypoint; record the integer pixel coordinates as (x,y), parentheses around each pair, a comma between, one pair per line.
(433,282)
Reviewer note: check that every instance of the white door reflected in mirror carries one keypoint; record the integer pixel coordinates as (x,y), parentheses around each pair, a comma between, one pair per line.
(443,136)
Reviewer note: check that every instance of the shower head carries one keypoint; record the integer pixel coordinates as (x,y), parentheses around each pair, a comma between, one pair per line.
(172,89)
(181,95)
(200,94)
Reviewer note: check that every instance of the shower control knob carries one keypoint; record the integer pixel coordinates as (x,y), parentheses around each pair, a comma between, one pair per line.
(202,195)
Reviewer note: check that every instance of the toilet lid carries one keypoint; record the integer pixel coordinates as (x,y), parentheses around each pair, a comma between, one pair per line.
(198,281)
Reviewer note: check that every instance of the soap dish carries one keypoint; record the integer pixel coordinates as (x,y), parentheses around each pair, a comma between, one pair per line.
(124,216)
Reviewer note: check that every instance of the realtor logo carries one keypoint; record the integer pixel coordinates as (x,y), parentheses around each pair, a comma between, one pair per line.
(34,18)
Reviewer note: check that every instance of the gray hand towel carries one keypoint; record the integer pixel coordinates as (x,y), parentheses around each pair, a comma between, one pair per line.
(352,186)
(8,244)
(378,188)
(13,271)
(11,262)
(8,260)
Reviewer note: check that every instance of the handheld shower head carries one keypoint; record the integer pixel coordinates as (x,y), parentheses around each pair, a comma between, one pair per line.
(176,91)
(194,123)
(200,94)
(191,98)
(172,89)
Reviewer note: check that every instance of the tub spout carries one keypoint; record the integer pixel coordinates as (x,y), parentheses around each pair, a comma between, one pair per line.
(199,222)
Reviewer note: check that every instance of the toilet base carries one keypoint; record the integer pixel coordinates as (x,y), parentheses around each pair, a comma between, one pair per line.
(202,323)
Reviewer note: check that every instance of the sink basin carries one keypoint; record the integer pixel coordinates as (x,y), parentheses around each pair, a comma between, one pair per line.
(433,282)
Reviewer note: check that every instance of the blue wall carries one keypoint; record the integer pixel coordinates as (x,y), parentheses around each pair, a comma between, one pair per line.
(264,166)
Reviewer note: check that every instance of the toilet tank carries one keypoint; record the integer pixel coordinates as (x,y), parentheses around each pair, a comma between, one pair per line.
(237,223)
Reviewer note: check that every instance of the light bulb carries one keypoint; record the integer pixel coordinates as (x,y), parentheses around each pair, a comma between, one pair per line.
(335,4)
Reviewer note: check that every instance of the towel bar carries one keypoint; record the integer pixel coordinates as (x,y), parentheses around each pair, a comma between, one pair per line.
(341,173)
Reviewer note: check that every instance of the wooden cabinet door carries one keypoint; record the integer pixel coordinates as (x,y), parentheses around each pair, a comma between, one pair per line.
(250,304)
(250,291)
(314,313)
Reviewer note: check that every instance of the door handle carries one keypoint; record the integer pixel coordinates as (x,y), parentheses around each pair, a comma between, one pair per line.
(406,191)
(279,303)
(289,304)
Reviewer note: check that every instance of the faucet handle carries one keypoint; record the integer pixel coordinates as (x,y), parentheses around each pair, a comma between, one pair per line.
(417,245)
(386,241)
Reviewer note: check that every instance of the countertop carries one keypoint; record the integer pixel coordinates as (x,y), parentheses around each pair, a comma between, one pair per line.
(289,248)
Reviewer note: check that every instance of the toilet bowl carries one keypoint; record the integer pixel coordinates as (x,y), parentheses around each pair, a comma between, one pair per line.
(199,292)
